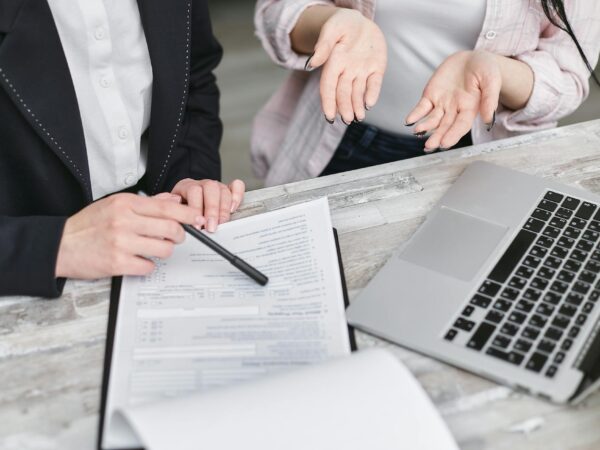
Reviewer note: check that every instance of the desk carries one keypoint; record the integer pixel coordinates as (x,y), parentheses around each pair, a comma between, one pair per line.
(51,351)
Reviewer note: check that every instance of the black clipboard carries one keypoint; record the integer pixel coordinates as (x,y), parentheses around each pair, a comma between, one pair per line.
(115,295)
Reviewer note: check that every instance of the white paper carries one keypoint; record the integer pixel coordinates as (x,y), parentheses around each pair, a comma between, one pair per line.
(366,401)
(197,323)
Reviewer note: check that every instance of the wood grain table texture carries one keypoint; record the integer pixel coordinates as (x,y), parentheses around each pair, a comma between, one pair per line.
(51,351)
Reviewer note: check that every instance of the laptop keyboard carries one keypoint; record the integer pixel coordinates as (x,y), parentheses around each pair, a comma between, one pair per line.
(531,307)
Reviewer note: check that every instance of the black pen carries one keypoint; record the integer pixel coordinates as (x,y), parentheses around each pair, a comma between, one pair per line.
(235,261)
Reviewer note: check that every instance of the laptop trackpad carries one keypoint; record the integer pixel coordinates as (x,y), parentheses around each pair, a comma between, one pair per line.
(453,244)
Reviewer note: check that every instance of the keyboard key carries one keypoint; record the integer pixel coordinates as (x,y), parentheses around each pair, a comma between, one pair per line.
(538,321)
(548,205)
(551,232)
(585,246)
(450,335)
(537,362)
(572,233)
(541,214)
(597,216)
(538,251)
(594,295)
(546,272)
(502,305)
(574,299)
(481,336)
(463,324)
(566,242)
(574,332)
(524,305)
(546,346)
(585,211)
(481,301)
(577,223)
(559,252)
(532,294)
(579,255)
(565,276)
(590,235)
(595,256)
(553,333)
(509,329)
(553,262)
(525,272)
(489,288)
(572,265)
(534,225)
(587,277)
(545,309)
(594,226)
(592,266)
(588,307)
(570,203)
(517,283)
(557,222)
(494,316)
(551,371)
(554,196)
(501,341)
(522,346)
(564,213)
(567,344)
(559,357)
(561,322)
(509,293)
(580,287)
(468,311)
(581,319)
(517,317)
(552,298)
(511,357)
(539,283)
(530,333)
(512,256)
(568,310)
(532,261)
(559,286)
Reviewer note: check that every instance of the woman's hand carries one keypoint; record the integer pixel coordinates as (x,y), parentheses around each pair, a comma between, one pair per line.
(117,235)
(466,84)
(215,200)
(353,53)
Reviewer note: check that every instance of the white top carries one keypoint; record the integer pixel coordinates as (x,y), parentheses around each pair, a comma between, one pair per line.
(420,35)
(108,57)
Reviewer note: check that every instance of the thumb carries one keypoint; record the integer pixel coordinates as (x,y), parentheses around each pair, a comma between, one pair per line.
(490,97)
(328,38)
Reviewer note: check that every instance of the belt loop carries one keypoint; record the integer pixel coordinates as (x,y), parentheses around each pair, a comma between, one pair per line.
(369,134)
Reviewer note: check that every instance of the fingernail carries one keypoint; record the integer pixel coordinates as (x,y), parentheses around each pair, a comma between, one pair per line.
(443,149)
(307,66)
(234,207)
(347,123)
(357,120)
(212,225)
(330,121)
(490,125)
(420,134)
(367,107)
(409,124)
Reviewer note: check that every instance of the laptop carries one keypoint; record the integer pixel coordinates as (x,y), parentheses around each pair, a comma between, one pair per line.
(502,279)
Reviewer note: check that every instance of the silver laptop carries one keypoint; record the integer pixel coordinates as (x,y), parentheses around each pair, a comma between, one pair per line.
(502,279)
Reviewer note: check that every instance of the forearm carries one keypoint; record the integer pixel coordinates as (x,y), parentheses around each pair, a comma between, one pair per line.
(305,34)
(517,82)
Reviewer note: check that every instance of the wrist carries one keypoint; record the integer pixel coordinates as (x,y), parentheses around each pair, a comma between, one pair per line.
(517,82)
(305,33)
(62,269)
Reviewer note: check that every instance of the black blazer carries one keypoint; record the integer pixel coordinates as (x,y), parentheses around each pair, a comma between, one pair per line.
(44,175)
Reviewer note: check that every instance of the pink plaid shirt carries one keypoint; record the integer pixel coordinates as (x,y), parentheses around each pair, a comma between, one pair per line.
(291,140)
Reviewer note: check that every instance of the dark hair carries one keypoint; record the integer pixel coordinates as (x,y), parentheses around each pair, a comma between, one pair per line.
(556,14)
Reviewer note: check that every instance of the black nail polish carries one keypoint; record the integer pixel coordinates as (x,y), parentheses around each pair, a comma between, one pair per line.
(346,123)
(367,107)
(356,120)
(410,124)
(420,134)
(490,125)
(329,121)
(307,66)
(442,149)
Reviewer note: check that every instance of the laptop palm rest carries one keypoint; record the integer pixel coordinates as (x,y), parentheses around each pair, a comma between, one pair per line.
(453,243)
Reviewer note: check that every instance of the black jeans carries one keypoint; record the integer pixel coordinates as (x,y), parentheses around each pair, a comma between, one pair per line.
(366,145)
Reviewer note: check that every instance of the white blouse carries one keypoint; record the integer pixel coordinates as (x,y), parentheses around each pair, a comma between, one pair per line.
(420,35)
(107,54)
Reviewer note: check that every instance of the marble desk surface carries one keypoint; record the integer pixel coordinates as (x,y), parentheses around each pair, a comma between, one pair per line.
(51,351)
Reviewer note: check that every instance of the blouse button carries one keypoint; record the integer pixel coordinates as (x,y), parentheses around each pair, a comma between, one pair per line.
(491,35)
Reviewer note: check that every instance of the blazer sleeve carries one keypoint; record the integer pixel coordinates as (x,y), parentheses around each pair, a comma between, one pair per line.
(274,20)
(202,129)
(561,79)
(28,257)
